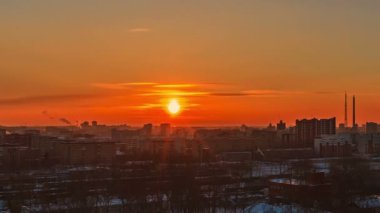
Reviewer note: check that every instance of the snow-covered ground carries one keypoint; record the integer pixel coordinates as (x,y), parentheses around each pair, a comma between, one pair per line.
(263,207)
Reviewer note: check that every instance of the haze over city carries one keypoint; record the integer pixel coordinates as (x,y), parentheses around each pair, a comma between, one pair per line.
(121,61)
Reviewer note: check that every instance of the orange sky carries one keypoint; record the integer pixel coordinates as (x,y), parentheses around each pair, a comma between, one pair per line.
(227,62)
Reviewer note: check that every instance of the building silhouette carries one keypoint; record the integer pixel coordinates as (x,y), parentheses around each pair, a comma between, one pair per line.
(281,125)
(165,129)
(371,128)
(94,123)
(308,129)
(3,133)
(147,129)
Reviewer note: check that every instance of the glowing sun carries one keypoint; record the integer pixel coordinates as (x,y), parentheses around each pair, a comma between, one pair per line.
(173,107)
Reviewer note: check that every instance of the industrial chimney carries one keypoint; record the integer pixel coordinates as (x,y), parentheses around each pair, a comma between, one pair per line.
(345,110)
(353,112)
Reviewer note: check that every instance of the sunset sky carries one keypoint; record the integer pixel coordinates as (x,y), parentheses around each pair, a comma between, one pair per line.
(227,62)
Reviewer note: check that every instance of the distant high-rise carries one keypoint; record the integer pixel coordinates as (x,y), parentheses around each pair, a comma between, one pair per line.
(94,123)
(147,129)
(3,132)
(271,127)
(341,127)
(165,129)
(85,124)
(371,127)
(327,126)
(281,125)
(307,130)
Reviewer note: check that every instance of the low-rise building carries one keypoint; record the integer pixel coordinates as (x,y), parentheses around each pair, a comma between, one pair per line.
(333,145)
(86,152)
(313,187)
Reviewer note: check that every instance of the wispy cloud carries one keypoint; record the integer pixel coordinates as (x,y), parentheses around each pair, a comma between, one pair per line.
(129,85)
(190,89)
(46,113)
(187,85)
(161,105)
(261,93)
(229,94)
(44,99)
(175,93)
(325,92)
(121,86)
(148,106)
(175,85)
(139,30)
(200,89)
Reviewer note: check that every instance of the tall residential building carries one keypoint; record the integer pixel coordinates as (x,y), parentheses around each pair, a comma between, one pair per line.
(371,128)
(85,124)
(165,129)
(147,129)
(328,126)
(271,127)
(308,129)
(3,132)
(281,125)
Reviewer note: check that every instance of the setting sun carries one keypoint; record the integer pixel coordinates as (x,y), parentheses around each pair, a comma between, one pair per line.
(173,107)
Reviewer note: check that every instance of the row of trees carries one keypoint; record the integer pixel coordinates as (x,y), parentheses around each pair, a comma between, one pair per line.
(169,188)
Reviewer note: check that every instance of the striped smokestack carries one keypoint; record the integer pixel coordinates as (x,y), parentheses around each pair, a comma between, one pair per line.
(345,110)
(353,112)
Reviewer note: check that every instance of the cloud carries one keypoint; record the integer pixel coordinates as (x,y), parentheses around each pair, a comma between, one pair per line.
(120,86)
(273,92)
(325,93)
(174,93)
(44,99)
(261,93)
(198,89)
(236,93)
(175,85)
(162,105)
(189,89)
(187,85)
(231,94)
(139,30)
(129,85)
(148,106)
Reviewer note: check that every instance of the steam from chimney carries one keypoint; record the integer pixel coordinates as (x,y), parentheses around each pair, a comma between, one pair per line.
(47,114)
(65,121)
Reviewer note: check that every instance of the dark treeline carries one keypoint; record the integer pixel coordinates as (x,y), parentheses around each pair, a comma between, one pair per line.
(158,183)
(139,186)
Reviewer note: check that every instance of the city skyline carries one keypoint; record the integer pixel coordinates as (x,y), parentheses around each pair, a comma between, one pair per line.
(186,98)
(120,62)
